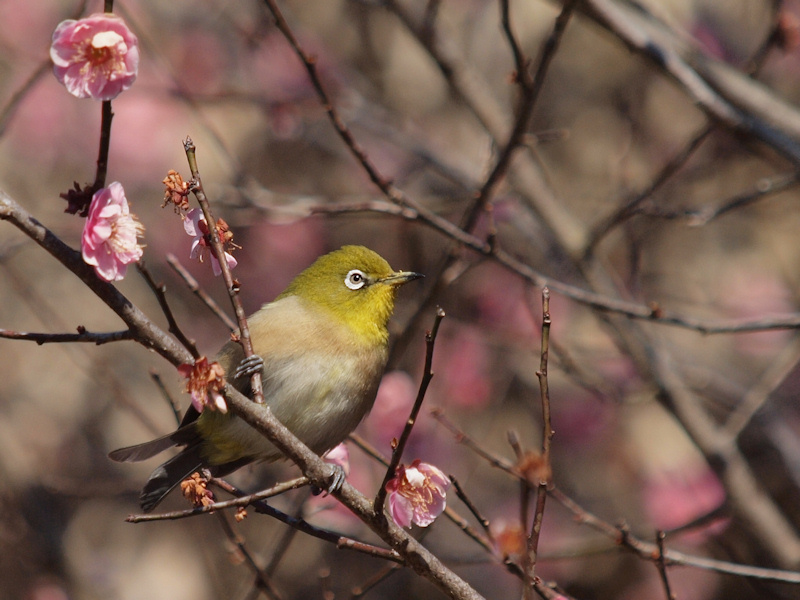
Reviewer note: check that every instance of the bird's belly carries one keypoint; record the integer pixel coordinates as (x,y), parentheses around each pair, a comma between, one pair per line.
(320,401)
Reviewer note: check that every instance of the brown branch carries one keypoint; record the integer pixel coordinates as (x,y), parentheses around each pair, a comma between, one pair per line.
(60,338)
(530,88)
(258,416)
(764,188)
(160,292)
(195,288)
(262,579)
(661,565)
(105,143)
(397,451)
(547,436)
(631,205)
(239,501)
(231,285)
(652,312)
(757,511)
(462,438)
(645,37)
(174,406)
(340,541)
(649,550)
(143,330)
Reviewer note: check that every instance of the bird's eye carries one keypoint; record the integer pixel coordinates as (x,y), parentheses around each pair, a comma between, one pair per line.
(355,279)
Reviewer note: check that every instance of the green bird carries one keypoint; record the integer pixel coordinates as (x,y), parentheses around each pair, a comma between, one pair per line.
(321,346)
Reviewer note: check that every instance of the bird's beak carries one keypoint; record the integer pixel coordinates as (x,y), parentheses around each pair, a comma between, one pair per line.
(400,277)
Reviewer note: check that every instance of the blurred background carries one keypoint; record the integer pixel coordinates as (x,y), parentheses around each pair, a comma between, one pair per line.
(657,426)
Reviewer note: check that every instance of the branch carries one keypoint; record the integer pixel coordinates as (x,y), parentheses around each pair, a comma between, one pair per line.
(545,475)
(231,285)
(143,330)
(644,36)
(652,312)
(649,551)
(397,451)
(60,338)
(240,501)
(160,291)
(258,416)
(195,288)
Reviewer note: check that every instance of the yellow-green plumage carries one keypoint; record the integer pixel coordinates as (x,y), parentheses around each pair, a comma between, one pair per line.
(323,342)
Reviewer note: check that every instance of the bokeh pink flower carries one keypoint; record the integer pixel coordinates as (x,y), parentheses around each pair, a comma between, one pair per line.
(340,456)
(417,494)
(96,57)
(110,236)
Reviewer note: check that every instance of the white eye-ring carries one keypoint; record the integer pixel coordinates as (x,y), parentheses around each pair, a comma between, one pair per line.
(355,279)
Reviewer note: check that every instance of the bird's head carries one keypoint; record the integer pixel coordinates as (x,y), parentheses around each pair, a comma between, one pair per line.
(354,285)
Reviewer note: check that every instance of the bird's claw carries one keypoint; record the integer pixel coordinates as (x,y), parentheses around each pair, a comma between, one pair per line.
(335,481)
(249,366)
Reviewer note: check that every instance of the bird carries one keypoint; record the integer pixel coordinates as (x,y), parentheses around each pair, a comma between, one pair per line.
(321,347)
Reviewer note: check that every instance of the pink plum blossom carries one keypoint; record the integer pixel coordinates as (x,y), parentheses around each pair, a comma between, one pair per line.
(96,57)
(195,225)
(109,242)
(417,494)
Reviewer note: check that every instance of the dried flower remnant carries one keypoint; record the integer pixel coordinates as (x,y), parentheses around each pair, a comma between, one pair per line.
(78,199)
(96,57)
(534,468)
(509,539)
(195,225)
(417,494)
(195,490)
(110,236)
(206,380)
(176,191)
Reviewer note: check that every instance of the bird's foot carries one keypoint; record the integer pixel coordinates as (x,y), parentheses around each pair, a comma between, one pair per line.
(249,366)
(335,481)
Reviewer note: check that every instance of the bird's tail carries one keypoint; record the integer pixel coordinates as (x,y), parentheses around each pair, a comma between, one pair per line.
(185,435)
(170,474)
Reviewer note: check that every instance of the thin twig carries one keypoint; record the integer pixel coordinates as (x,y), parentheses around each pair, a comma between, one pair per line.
(547,436)
(105,143)
(262,579)
(631,205)
(764,188)
(484,522)
(648,550)
(160,292)
(531,87)
(661,565)
(462,438)
(341,542)
(241,500)
(231,285)
(378,577)
(198,291)
(176,409)
(397,451)
(652,312)
(60,338)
